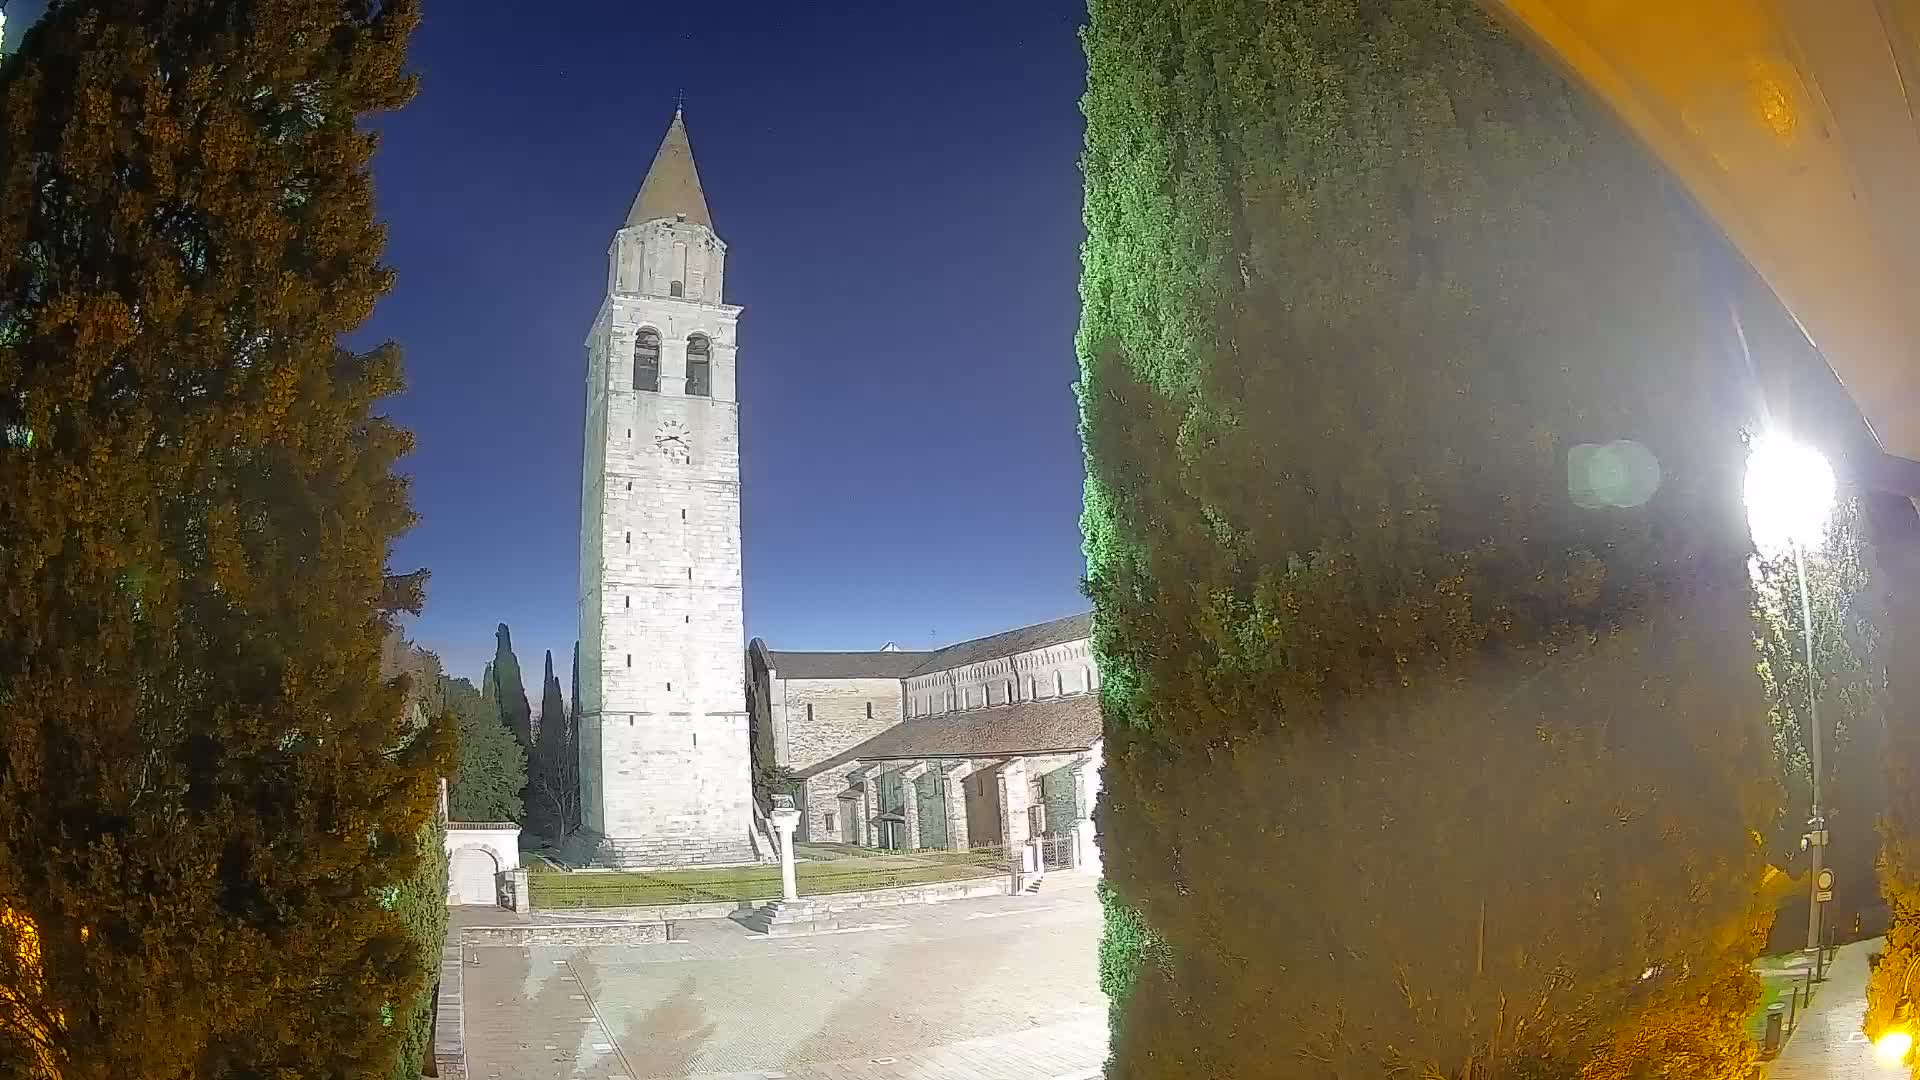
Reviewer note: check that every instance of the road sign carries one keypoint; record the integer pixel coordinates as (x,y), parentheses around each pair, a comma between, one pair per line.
(1825,881)
(1823,895)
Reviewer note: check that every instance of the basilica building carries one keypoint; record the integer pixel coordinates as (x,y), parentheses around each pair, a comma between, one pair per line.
(993,742)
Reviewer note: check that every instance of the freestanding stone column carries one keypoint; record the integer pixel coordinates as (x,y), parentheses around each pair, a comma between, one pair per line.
(785,820)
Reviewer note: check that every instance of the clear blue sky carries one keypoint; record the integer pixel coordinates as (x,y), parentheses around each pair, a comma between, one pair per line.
(898,189)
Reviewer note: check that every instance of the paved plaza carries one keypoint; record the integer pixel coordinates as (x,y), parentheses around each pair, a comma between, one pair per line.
(1003,988)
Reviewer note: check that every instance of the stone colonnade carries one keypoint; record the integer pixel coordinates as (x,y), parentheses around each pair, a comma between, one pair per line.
(927,799)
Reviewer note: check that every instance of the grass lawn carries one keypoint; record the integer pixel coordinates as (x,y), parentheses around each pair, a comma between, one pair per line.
(1776,984)
(816,876)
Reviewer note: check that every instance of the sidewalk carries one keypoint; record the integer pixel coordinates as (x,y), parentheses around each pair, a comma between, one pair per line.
(1829,1044)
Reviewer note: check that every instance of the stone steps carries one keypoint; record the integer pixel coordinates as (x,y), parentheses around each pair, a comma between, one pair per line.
(789,918)
(660,853)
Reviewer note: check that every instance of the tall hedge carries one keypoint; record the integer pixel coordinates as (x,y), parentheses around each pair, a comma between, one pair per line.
(1893,987)
(1434,743)
(206,784)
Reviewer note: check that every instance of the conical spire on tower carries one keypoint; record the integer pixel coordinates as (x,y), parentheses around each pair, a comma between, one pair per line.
(672,186)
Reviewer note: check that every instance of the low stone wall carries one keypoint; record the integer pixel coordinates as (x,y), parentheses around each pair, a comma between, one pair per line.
(566,934)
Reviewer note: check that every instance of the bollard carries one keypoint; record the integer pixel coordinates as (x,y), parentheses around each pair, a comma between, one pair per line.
(1776,1015)
(1793,1011)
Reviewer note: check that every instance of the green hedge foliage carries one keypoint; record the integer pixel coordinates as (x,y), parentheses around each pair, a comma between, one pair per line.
(1418,761)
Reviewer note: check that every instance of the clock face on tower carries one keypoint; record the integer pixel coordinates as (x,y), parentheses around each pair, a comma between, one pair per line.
(673,442)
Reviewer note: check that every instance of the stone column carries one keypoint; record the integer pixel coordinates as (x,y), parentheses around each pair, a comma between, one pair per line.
(953,792)
(910,797)
(1012,781)
(785,820)
(1014,800)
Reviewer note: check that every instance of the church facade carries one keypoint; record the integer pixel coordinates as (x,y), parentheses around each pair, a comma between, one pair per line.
(663,741)
(989,743)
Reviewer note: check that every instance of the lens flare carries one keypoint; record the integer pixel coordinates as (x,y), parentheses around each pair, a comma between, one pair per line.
(1891,1049)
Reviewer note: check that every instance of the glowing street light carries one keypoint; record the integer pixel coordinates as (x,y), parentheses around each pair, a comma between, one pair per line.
(1790,494)
(1891,1048)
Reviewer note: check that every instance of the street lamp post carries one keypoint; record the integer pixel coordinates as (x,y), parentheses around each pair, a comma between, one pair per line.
(1789,494)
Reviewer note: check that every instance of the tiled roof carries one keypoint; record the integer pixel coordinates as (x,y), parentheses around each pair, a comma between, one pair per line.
(1025,639)
(844,665)
(1028,727)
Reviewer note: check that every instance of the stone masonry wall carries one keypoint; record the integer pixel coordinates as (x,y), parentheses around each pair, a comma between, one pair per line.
(823,798)
(845,713)
(664,725)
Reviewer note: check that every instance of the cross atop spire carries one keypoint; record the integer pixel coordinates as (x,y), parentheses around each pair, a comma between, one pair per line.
(672,186)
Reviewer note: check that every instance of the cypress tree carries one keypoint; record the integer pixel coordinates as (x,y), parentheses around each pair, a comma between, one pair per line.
(573,739)
(1431,747)
(206,786)
(554,786)
(509,691)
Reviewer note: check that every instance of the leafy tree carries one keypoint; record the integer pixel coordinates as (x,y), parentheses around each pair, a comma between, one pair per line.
(553,789)
(510,693)
(1420,759)
(206,786)
(1847,683)
(492,770)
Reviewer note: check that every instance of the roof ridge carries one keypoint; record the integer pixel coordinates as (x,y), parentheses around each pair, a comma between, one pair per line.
(929,666)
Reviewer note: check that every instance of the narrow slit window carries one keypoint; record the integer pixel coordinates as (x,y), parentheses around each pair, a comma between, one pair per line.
(869,710)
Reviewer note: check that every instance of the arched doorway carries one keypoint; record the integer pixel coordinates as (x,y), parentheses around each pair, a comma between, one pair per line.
(474,877)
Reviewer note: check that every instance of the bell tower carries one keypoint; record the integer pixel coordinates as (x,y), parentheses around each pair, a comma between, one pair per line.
(664,764)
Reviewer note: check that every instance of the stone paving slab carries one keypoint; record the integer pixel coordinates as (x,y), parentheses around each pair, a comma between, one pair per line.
(1000,989)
